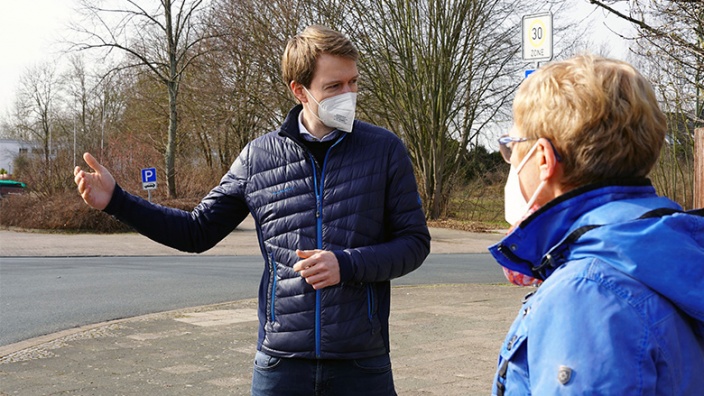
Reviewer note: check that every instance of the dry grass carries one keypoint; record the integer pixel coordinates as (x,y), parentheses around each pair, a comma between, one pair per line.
(475,208)
(63,212)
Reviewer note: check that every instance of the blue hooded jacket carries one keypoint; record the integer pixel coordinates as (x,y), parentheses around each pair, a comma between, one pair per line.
(621,308)
(361,203)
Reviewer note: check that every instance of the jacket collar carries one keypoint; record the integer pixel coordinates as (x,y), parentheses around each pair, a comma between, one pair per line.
(289,128)
(525,247)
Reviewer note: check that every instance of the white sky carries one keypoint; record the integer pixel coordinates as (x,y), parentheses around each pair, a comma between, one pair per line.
(31,29)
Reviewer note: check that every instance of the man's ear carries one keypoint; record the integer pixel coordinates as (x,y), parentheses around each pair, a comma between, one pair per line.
(547,159)
(298,92)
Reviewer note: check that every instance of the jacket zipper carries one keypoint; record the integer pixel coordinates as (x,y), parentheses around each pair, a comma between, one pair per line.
(272,300)
(319,187)
(318,243)
(370,304)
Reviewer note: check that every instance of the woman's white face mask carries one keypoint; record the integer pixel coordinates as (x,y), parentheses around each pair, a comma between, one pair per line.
(337,111)
(515,206)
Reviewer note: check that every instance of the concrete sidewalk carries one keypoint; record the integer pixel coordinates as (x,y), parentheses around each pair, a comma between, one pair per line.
(242,241)
(444,338)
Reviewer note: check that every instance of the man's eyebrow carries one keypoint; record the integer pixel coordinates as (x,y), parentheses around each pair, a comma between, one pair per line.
(338,81)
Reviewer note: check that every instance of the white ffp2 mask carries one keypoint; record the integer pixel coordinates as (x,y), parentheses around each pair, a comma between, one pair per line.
(337,111)
(515,206)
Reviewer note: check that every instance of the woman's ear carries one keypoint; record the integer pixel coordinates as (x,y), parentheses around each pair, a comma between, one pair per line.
(547,160)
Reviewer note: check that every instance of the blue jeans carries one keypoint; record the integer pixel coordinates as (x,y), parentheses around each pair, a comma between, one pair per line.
(274,376)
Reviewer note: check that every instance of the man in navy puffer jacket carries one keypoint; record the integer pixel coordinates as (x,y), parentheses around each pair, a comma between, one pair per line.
(338,216)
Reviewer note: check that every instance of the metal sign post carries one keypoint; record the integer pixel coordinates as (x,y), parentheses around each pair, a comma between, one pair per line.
(698,168)
(149,180)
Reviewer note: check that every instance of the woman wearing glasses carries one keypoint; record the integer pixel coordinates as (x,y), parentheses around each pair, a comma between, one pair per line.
(620,306)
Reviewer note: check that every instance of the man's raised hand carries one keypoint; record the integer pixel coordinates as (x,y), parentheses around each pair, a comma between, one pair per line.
(95,187)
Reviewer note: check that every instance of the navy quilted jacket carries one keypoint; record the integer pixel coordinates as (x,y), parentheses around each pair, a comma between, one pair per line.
(361,203)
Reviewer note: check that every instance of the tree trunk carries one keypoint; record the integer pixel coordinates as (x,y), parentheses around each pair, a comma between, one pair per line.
(437,204)
(170,153)
(172,86)
(698,168)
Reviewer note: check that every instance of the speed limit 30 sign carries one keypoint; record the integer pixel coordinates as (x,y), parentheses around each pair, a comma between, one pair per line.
(537,37)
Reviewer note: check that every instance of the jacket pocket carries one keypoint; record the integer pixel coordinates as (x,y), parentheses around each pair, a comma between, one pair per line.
(510,365)
(371,303)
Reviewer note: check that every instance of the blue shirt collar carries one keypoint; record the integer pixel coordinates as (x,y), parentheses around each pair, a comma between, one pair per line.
(306,135)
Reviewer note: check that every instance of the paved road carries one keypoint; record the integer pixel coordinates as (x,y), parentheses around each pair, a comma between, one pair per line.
(42,295)
(444,337)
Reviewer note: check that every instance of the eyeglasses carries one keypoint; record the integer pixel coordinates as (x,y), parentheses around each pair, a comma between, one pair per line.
(506,146)
(506,143)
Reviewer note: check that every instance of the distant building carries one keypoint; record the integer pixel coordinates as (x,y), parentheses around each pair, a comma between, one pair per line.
(11,149)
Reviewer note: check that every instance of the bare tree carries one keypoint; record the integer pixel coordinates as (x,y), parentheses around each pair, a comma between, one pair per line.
(108,106)
(236,92)
(38,118)
(35,108)
(670,33)
(673,175)
(92,102)
(163,37)
(78,103)
(669,29)
(436,73)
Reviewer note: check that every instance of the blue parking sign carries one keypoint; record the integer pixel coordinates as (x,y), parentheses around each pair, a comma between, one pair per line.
(149,178)
(148,175)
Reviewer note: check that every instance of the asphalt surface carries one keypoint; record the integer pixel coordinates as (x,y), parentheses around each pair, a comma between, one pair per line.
(444,337)
(44,295)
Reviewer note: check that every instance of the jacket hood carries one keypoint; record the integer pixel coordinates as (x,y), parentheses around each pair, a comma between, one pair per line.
(664,252)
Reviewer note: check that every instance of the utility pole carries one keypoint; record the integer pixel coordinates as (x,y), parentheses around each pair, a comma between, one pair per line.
(699,168)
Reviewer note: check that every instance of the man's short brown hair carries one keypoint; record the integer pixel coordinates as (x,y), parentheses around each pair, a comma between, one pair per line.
(302,52)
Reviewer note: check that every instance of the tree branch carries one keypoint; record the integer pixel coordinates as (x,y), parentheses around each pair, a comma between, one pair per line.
(699,51)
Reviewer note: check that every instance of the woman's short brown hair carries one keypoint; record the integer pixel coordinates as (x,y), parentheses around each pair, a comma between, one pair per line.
(601,115)
(303,50)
